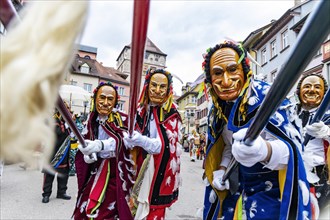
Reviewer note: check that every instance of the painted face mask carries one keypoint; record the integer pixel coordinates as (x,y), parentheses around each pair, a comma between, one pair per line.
(105,100)
(311,91)
(226,74)
(158,87)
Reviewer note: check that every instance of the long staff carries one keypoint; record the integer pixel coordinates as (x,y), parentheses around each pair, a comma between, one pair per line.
(68,119)
(309,40)
(7,12)
(139,36)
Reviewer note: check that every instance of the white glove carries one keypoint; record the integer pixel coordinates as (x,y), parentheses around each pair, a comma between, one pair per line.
(126,141)
(318,130)
(92,147)
(90,158)
(151,145)
(248,155)
(217,180)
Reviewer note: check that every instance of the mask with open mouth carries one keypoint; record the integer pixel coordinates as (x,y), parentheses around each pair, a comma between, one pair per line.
(311,91)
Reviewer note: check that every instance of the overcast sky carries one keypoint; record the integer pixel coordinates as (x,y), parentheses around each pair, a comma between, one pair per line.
(181,29)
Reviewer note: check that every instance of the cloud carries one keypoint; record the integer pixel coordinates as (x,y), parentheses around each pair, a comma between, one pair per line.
(181,29)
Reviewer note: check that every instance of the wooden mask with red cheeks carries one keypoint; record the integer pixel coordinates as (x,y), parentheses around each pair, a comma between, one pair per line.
(158,87)
(227,74)
(311,92)
(105,100)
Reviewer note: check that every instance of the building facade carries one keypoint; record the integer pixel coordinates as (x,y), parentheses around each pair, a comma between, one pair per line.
(154,58)
(87,72)
(187,108)
(273,48)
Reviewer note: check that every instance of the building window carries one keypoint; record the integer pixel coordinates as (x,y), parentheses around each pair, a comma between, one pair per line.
(273,51)
(121,91)
(193,99)
(84,68)
(120,106)
(146,55)
(273,76)
(318,52)
(88,87)
(263,56)
(285,39)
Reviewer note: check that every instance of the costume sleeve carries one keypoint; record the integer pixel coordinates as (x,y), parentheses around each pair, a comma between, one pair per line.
(109,144)
(153,145)
(226,154)
(109,148)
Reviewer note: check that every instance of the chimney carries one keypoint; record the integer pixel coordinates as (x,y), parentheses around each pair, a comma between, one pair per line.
(297,2)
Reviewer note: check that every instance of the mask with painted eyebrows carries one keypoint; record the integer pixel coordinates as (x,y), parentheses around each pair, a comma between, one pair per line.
(227,76)
(311,92)
(105,100)
(158,87)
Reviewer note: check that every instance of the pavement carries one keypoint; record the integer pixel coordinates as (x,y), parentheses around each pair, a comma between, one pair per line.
(20,194)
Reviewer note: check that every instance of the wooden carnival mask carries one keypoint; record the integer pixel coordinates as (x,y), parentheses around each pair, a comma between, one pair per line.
(158,87)
(311,92)
(105,100)
(227,74)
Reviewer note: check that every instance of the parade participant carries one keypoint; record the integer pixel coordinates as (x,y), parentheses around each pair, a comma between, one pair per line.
(202,146)
(192,147)
(59,160)
(310,91)
(74,145)
(104,168)
(157,134)
(270,181)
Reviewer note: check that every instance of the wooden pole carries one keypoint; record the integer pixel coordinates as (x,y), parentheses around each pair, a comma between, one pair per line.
(139,36)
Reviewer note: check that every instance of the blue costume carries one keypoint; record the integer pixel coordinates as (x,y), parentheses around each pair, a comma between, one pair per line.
(261,192)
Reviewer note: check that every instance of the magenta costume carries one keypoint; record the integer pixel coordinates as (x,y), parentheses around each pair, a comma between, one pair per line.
(104,186)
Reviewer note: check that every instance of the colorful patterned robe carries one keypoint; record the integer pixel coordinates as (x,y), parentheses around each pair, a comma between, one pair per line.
(262,193)
(104,186)
(164,189)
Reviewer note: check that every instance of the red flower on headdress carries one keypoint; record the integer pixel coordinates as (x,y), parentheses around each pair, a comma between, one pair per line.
(247,61)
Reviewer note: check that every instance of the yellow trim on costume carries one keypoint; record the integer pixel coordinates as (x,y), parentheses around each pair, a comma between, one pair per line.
(117,116)
(111,118)
(219,112)
(166,106)
(92,105)
(74,146)
(239,209)
(100,200)
(242,106)
(212,162)
(281,180)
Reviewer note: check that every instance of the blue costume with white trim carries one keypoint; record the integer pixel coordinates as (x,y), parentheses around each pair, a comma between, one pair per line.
(262,193)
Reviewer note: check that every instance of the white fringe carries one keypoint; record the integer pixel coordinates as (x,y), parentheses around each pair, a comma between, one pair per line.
(35,55)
